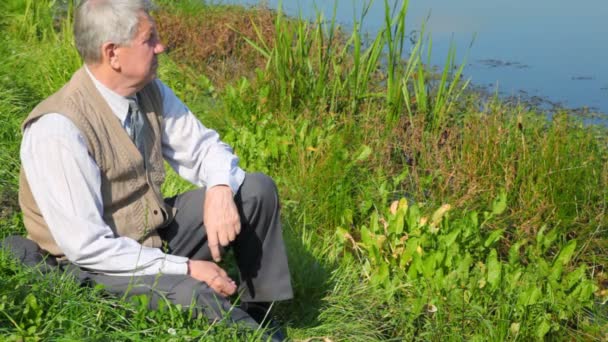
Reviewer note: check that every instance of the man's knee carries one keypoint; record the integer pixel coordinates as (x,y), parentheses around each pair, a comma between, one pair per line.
(261,188)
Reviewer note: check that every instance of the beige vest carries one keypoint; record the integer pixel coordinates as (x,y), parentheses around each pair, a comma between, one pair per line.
(132,202)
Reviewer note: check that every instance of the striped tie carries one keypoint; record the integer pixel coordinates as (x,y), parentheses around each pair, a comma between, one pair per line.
(138,122)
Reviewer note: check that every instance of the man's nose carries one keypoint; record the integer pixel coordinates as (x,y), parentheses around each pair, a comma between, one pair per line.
(159,48)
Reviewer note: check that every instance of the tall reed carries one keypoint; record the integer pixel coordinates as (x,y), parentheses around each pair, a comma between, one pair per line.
(310,66)
(320,120)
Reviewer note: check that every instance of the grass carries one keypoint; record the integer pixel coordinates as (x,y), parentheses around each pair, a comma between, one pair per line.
(345,128)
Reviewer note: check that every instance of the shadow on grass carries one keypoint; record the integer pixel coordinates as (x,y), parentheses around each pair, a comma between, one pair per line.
(11,220)
(311,281)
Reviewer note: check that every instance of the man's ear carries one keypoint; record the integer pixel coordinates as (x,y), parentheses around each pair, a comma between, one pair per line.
(109,55)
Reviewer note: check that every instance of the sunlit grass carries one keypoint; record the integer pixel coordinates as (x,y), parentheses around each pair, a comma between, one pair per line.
(345,126)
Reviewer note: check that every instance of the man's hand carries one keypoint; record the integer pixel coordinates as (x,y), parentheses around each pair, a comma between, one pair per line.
(221,219)
(212,275)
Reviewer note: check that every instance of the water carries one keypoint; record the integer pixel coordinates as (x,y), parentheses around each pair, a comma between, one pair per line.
(554,52)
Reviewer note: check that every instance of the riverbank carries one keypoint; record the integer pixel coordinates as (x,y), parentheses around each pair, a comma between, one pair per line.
(498,232)
(540,52)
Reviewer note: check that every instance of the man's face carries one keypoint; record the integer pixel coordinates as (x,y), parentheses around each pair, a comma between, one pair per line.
(138,61)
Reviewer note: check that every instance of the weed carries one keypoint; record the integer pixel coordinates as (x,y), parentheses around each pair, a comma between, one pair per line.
(344,126)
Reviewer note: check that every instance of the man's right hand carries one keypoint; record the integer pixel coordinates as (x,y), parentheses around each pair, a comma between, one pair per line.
(213,275)
(221,219)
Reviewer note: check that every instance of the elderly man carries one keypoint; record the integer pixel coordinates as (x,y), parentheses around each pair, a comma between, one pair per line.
(92,168)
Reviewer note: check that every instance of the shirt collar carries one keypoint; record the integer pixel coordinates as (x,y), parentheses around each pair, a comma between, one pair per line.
(118,104)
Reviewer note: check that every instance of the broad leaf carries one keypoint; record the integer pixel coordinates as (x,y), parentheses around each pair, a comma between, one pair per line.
(500,203)
(566,253)
(493,237)
(366,151)
(543,328)
(494,269)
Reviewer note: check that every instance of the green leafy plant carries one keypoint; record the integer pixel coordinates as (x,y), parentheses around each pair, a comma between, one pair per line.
(452,268)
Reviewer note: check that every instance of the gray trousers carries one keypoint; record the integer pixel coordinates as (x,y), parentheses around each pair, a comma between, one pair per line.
(259,251)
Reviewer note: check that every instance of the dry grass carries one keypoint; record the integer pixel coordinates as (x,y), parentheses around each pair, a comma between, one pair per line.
(213,41)
(471,162)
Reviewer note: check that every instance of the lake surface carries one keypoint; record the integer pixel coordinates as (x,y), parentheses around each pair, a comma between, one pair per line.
(553,52)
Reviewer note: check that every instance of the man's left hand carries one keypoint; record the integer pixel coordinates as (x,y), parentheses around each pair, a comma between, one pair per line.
(221,219)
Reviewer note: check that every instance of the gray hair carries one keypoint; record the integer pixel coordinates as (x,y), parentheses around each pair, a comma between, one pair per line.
(97,22)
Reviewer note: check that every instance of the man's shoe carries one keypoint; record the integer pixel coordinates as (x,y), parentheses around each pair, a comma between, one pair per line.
(274,331)
(261,313)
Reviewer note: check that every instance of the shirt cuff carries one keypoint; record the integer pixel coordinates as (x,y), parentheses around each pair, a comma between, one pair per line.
(233,180)
(174,264)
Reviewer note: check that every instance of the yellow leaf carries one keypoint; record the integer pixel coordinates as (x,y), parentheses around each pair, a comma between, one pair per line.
(514,328)
(398,205)
(394,206)
(380,240)
(430,308)
(398,251)
(439,213)
(403,204)
(384,224)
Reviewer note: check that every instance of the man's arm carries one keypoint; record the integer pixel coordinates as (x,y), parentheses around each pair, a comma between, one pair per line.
(65,182)
(198,155)
(194,151)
